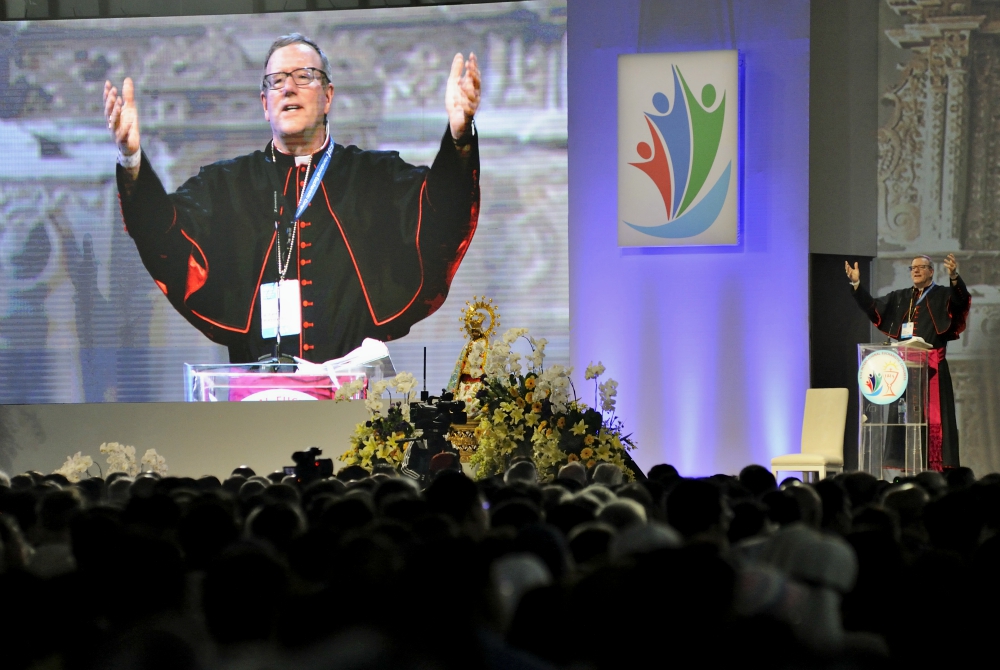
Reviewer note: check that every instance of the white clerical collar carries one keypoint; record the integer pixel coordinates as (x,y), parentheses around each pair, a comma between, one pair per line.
(307,159)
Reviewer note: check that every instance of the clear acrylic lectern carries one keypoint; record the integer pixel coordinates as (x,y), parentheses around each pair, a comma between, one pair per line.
(893,437)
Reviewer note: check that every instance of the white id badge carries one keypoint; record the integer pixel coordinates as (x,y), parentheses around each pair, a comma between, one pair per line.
(906,332)
(286,301)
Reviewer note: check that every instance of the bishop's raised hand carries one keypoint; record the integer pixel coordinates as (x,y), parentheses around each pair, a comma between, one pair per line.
(461,98)
(853,274)
(951,265)
(122,116)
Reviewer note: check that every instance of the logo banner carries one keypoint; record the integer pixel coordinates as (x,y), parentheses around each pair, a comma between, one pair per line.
(678,149)
(883,377)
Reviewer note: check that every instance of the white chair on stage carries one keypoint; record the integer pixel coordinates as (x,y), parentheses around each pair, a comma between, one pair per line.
(822,448)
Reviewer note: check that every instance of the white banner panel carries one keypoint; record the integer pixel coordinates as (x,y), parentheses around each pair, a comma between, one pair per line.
(678,149)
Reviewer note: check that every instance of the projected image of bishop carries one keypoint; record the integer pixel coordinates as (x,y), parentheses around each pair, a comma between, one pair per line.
(306,241)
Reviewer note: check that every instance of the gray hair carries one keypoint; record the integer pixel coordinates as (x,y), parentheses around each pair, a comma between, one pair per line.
(926,258)
(298,38)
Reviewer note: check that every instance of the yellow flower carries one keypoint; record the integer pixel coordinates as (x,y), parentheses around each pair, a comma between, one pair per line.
(518,433)
(531,419)
(579,429)
(514,391)
(517,414)
(572,458)
(536,408)
(561,423)
(604,452)
(586,452)
(529,396)
(499,416)
(520,402)
(589,440)
(529,383)
(543,424)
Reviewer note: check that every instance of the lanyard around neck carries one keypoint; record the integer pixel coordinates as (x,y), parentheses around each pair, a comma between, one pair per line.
(307,196)
(923,294)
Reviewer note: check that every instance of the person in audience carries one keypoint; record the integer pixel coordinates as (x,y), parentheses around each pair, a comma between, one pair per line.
(509,566)
(521,471)
(758,480)
(697,510)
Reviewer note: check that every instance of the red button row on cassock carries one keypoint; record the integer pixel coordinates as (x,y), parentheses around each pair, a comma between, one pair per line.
(305,282)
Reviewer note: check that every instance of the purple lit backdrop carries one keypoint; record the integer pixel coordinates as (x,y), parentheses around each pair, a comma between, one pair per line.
(710,346)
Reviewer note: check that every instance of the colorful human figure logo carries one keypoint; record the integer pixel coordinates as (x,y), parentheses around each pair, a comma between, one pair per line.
(684,144)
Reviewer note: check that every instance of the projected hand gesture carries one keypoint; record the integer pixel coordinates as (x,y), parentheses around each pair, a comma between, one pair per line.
(122,116)
(461,99)
(951,265)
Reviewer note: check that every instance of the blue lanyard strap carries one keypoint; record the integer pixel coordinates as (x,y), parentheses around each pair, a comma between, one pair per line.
(314,182)
(923,294)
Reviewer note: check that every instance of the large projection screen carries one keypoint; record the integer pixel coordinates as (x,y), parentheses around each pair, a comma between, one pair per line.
(81,320)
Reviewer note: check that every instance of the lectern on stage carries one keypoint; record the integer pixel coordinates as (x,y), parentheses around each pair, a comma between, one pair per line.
(892,401)
(295,379)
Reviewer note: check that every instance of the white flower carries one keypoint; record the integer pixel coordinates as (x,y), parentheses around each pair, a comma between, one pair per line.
(121,458)
(152,461)
(374,404)
(609,390)
(405,382)
(594,371)
(477,352)
(514,363)
(349,390)
(496,360)
(511,335)
(379,388)
(75,467)
(538,352)
(404,411)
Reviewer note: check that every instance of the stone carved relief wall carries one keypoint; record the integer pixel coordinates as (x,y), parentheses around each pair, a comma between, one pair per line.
(939,186)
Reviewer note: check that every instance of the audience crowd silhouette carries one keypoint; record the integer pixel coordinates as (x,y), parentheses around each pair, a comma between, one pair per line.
(371,570)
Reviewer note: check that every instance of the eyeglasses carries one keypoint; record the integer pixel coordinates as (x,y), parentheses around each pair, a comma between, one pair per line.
(919,267)
(303,76)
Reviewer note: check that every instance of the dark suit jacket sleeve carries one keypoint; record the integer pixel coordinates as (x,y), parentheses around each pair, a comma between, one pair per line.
(878,310)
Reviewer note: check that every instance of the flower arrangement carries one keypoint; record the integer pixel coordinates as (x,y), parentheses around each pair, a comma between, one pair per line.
(384,437)
(533,414)
(75,467)
(121,458)
(153,462)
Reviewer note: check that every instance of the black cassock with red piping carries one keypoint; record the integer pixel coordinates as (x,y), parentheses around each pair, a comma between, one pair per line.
(375,251)
(938,314)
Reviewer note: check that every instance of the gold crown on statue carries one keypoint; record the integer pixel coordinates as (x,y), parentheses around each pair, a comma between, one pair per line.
(474,317)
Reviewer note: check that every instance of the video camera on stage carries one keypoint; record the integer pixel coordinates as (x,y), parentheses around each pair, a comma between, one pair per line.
(434,416)
(309,467)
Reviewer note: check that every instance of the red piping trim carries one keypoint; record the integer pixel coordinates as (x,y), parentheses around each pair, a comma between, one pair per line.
(298,274)
(253,301)
(420,258)
(174,222)
(188,291)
